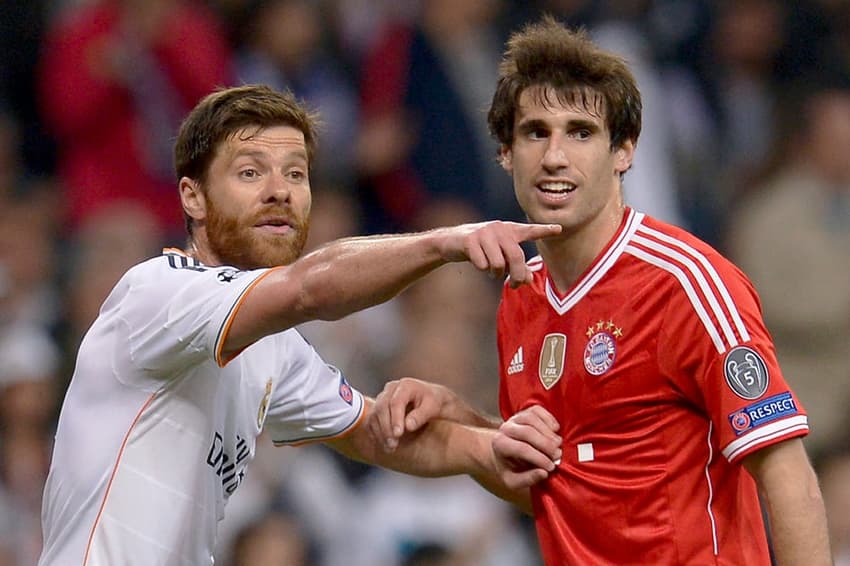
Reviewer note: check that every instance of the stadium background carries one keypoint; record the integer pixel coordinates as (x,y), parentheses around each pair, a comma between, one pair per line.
(746,129)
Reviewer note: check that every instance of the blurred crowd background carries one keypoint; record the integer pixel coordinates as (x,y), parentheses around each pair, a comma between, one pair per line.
(746,142)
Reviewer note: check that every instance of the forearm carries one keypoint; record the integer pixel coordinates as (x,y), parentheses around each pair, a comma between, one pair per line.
(798,528)
(794,505)
(441,448)
(356,273)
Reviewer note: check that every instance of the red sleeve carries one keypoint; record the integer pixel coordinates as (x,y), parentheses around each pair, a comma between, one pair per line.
(384,76)
(506,408)
(194,51)
(717,351)
(72,98)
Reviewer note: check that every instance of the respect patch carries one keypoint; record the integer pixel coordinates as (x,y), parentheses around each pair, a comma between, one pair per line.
(765,411)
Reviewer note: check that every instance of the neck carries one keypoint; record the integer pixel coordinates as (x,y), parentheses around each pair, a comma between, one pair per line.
(197,248)
(569,256)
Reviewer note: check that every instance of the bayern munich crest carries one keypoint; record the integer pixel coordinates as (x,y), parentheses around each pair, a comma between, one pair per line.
(601,349)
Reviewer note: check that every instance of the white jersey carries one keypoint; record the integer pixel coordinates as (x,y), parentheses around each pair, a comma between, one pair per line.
(156,428)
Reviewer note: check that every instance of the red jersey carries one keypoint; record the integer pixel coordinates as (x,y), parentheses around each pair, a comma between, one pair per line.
(660,370)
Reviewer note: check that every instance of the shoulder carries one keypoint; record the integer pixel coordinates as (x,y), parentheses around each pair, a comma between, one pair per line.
(703,287)
(682,255)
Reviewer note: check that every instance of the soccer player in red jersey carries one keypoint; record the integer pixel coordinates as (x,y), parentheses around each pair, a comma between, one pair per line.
(636,370)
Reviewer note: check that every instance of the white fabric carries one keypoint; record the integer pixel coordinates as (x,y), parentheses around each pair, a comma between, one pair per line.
(154,435)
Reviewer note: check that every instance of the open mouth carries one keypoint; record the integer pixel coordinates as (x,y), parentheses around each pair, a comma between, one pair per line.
(556,187)
(274,225)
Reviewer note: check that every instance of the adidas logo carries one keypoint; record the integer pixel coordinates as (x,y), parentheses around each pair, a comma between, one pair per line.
(517,364)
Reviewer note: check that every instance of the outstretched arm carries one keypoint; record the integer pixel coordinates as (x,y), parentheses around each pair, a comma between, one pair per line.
(351,274)
(795,508)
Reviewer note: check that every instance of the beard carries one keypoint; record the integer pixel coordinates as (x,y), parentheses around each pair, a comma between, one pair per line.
(237,243)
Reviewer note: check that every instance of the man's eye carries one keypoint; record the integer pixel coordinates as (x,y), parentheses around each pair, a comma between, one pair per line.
(248,173)
(581,134)
(537,134)
(297,175)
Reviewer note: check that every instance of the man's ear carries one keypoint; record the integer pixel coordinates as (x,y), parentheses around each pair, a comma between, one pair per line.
(192,198)
(506,158)
(624,156)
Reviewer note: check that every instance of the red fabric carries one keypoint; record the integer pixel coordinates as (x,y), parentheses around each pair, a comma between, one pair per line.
(384,81)
(94,120)
(652,400)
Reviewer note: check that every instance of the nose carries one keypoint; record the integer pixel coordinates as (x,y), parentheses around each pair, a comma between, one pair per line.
(555,156)
(276,189)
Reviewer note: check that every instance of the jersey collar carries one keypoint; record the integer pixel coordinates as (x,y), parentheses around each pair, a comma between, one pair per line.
(606,259)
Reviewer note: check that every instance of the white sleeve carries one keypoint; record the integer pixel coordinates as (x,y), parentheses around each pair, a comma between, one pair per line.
(312,400)
(177,313)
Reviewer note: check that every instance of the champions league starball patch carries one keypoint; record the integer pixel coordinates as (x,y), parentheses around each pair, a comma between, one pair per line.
(746,373)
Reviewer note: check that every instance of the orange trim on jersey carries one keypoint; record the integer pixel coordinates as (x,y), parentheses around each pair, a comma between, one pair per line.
(112,476)
(175,251)
(222,337)
(337,436)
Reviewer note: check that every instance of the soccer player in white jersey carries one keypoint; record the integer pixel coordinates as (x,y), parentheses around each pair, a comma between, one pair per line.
(637,360)
(194,352)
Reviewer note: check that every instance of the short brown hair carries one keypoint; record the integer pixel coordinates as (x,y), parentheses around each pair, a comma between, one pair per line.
(228,110)
(550,55)
(225,112)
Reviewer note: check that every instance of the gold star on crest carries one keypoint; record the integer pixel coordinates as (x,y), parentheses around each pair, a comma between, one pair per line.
(589,332)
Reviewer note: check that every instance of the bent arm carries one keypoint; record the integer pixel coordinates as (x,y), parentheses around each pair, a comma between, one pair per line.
(440,448)
(355,273)
(795,508)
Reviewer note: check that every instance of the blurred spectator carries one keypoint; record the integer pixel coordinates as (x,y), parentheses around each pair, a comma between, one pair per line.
(793,238)
(833,467)
(650,185)
(28,364)
(112,240)
(740,66)
(116,78)
(27,263)
(275,539)
(424,90)
(22,25)
(286,45)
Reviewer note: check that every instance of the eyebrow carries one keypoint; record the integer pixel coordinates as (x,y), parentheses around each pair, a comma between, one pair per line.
(298,154)
(572,124)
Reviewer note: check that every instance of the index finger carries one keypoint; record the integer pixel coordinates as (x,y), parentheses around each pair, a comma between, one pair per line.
(528,232)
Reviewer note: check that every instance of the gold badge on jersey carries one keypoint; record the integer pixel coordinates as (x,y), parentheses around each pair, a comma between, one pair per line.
(552,359)
(264,404)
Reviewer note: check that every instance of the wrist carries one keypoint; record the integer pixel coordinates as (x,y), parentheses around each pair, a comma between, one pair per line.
(454,408)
